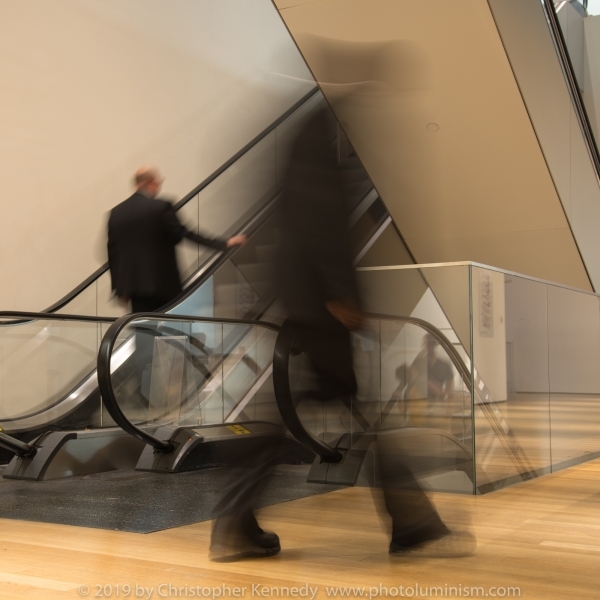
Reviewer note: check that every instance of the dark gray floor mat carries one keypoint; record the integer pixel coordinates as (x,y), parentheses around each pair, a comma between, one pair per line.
(139,502)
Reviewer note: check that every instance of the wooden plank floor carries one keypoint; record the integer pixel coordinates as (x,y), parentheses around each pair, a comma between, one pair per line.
(542,537)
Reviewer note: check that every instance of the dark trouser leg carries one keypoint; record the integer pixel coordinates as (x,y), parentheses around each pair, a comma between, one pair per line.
(254,464)
(414,518)
(328,347)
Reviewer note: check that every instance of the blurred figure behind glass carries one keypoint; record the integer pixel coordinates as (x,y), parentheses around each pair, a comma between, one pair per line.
(317,287)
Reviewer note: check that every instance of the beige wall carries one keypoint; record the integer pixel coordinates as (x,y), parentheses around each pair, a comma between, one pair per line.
(93,88)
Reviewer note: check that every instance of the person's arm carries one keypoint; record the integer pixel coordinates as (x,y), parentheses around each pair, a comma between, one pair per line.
(176,231)
(216,243)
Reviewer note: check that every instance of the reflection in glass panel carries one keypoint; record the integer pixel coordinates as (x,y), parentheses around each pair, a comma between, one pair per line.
(187,251)
(192,373)
(510,346)
(41,363)
(438,295)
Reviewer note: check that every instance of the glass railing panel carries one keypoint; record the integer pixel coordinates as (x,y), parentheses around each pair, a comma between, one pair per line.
(227,294)
(41,362)
(438,295)
(191,373)
(510,349)
(188,252)
(242,287)
(238,193)
(574,356)
(247,384)
(85,303)
(533,389)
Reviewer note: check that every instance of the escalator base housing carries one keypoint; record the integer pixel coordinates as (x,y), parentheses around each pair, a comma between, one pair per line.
(218,445)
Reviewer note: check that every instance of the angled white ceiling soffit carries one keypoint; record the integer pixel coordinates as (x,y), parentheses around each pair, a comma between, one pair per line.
(431,105)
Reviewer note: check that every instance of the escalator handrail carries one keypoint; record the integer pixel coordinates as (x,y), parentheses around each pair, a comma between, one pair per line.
(17,446)
(104,375)
(104,268)
(26,317)
(284,346)
(571,80)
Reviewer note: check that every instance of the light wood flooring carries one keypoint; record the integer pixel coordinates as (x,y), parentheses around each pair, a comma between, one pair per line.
(542,536)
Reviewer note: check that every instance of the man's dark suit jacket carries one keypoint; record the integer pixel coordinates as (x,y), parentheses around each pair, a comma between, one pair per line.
(142,235)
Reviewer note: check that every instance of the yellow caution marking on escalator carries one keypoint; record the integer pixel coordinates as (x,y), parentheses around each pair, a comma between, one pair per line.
(238,429)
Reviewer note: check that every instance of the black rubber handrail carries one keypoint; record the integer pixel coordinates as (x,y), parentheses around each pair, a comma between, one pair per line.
(104,374)
(17,446)
(104,268)
(285,345)
(26,317)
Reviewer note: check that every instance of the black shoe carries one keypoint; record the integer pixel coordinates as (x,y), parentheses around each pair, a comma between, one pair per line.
(229,546)
(452,544)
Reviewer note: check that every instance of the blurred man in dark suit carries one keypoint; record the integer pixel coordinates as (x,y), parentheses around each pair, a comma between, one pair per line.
(142,234)
(318,289)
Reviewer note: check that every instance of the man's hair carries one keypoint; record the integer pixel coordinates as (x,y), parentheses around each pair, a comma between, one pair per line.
(144,175)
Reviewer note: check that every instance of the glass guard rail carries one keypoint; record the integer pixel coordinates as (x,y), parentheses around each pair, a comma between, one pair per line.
(531,349)
(184,371)
(46,361)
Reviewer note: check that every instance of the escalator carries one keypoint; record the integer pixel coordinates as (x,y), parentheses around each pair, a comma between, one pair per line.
(255,385)
(51,401)
(434,432)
